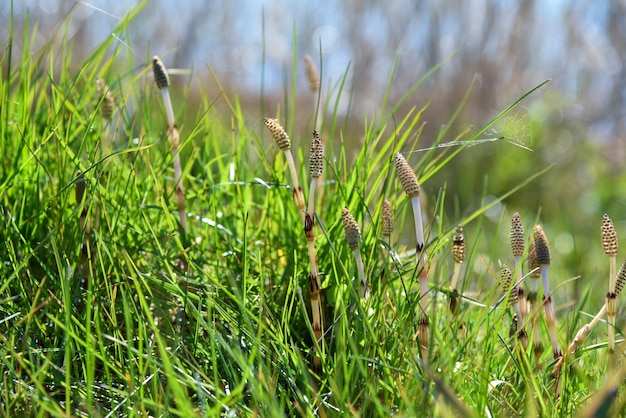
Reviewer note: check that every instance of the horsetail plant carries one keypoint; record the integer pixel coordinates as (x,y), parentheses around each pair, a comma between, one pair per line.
(107,107)
(162,81)
(411,187)
(458,256)
(505,279)
(609,245)
(542,250)
(316,160)
(581,335)
(284,144)
(313,79)
(316,168)
(535,276)
(387,224)
(353,238)
(517,248)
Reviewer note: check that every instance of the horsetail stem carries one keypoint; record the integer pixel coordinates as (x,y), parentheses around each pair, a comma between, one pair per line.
(458,256)
(535,276)
(609,245)
(353,238)
(162,81)
(411,187)
(316,160)
(508,288)
(316,168)
(542,250)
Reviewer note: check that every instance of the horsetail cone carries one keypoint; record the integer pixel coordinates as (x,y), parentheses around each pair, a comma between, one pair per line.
(161,77)
(506,278)
(353,234)
(517,235)
(278,133)
(108,103)
(458,245)
(533,262)
(387,228)
(407,176)
(316,156)
(609,237)
(312,75)
(542,248)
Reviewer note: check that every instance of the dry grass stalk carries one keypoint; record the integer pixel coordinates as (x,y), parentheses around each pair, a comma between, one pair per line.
(162,81)
(353,237)
(609,245)
(411,187)
(543,259)
(458,256)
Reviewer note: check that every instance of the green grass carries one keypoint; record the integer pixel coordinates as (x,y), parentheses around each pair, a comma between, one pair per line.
(118,327)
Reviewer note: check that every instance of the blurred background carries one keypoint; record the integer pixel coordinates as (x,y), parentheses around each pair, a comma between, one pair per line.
(576,122)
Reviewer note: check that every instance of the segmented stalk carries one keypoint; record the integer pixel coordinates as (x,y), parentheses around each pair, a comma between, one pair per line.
(162,81)
(609,245)
(316,160)
(458,256)
(543,258)
(535,276)
(316,168)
